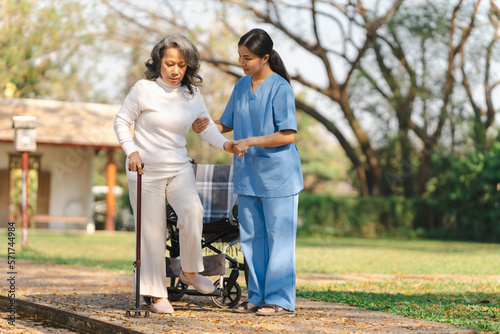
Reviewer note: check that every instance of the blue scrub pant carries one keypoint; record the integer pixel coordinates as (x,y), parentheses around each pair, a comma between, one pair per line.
(268,229)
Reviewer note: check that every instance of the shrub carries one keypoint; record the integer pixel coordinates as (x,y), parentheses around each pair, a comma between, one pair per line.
(467,195)
(356,216)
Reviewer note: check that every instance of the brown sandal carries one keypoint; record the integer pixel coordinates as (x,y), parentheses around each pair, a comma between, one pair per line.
(276,310)
(243,308)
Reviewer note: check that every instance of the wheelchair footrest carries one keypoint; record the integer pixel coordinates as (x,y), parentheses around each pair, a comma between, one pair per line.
(192,292)
(215,265)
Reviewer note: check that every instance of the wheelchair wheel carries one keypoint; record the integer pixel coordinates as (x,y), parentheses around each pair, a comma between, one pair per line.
(227,299)
(175,296)
(175,289)
(147,300)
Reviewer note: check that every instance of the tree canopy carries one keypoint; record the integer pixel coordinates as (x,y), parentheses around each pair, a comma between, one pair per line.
(396,72)
(48,50)
(393,81)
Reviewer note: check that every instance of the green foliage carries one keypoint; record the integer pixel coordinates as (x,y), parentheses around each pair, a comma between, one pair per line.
(16,179)
(16,184)
(43,49)
(462,203)
(465,192)
(357,216)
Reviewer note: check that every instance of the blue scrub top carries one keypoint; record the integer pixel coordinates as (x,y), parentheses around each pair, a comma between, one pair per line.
(264,171)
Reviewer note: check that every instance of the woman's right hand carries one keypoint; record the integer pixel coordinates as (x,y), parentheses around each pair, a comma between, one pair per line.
(200,124)
(135,162)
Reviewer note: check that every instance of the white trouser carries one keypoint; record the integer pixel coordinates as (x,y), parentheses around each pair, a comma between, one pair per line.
(181,193)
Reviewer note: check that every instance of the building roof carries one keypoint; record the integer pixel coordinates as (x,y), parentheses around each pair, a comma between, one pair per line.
(62,123)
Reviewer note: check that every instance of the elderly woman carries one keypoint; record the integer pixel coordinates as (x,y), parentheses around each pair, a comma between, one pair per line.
(162,109)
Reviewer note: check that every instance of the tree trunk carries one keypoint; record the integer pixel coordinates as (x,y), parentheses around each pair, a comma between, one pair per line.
(373,170)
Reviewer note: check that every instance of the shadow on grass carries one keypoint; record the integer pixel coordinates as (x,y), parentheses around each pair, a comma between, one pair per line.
(480,311)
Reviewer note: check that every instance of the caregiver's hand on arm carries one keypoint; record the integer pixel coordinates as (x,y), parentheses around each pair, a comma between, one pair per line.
(200,124)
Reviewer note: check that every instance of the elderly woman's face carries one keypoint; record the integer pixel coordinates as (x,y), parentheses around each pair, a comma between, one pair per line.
(173,66)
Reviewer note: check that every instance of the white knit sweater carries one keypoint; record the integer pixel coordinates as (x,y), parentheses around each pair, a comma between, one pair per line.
(162,115)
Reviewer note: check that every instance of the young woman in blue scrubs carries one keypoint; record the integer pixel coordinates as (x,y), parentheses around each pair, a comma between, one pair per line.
(267,173)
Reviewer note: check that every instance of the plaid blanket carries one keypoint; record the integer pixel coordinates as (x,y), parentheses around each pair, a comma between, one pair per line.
(215,187)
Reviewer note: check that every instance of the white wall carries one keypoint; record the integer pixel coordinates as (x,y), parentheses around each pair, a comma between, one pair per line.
(71,181)
(71,169)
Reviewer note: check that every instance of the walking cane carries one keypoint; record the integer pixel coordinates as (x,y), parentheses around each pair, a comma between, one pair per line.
(137,263)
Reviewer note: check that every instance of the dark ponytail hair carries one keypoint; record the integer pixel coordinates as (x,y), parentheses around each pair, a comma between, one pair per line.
(259,42)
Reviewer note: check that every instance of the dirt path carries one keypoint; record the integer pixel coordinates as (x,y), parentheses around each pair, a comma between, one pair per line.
(106,296)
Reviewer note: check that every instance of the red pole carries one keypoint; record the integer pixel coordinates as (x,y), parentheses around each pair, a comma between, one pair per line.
(24,201)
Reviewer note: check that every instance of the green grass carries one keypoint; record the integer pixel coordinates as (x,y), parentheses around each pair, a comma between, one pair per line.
(473,304)
(458,285)
(452,282)
(112,251)
(385,256)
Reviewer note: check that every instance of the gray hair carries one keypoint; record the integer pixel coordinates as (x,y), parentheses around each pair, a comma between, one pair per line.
(189,53)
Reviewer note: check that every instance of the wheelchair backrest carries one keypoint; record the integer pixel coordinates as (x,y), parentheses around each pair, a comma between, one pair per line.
(215,187)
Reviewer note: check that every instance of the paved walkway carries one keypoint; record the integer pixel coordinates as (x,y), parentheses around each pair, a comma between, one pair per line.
(105,296)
